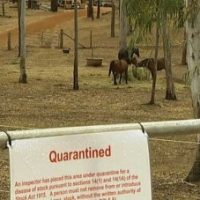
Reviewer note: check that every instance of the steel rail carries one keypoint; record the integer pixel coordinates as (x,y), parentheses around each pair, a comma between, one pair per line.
(160,128)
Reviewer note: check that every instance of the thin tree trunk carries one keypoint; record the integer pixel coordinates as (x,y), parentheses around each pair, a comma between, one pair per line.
(154,75)
(123,27)
(193,59)
(23,76)
(9,41)
(98,9)
(170,89)
(113,19)
(75,85)
(19,16)
(184,51)
(29,4)
(90,9)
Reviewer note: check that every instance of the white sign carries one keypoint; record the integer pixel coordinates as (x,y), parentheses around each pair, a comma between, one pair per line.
(98,166)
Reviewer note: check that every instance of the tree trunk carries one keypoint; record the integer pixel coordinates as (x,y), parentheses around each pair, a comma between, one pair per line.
(170,89)
(29,4)
(19,35)
(193,60)
(90,9)
(98,9)
(123,26)
(184,51)
(22,32)
(113,19)
(54,5)
(154,75)
(75,85)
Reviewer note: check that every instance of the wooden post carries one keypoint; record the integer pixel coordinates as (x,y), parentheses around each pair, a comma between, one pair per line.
(23,76)
(90,39)
(91,42)
(9,41)
(3,8)
(61,38)
(42,39)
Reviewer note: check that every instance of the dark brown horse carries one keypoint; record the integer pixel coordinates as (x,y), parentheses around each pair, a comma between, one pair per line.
(150,64)
(127,55)
(118,68)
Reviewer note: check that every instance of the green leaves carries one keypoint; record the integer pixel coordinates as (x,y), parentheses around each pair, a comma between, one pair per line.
(144,13)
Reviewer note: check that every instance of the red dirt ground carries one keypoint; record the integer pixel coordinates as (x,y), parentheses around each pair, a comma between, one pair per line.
(47,23)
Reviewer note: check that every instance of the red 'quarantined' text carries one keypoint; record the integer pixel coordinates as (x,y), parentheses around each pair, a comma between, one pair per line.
(88,153)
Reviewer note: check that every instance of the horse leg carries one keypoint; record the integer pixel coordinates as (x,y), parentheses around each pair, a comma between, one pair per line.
(126,76)
(120,78)
(115,77)
(154,76)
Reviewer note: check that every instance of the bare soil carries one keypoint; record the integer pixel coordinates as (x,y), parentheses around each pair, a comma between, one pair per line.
(48,100)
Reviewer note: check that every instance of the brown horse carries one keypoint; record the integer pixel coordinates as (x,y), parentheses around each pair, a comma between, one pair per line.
(150,64)
(118,67)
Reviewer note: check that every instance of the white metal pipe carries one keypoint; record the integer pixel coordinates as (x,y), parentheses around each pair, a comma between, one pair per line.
(161,128)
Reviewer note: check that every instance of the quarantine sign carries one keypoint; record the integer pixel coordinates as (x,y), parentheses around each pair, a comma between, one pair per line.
(98,166)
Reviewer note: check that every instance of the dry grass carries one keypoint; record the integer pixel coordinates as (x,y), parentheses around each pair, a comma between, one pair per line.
(48,100)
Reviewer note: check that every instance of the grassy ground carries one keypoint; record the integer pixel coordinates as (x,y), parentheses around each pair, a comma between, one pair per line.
(48,100)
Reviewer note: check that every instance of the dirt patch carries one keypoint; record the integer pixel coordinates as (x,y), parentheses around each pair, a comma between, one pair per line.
(49,22)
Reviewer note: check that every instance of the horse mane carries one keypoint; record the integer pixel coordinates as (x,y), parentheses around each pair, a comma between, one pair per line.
(135,51)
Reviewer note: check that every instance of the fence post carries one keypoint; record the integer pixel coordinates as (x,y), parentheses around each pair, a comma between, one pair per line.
(90,39)
(3,9)
(9,41)
(42,38)
(61,38)
(91,42)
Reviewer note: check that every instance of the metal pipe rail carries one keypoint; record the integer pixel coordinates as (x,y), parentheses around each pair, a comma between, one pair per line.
(161,128)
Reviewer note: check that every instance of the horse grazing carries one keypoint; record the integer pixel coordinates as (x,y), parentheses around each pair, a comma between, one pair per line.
(150,64)
(125,55)
(118,67)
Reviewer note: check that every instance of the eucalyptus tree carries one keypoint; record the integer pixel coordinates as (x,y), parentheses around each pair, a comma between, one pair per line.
(193,61)
(123,25)
(90,11)
(170,10)
(22,33)
(98,8)
(75,72)
(145,15)
(113,19)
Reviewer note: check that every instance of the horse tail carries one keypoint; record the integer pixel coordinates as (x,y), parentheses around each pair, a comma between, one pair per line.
(111,67)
